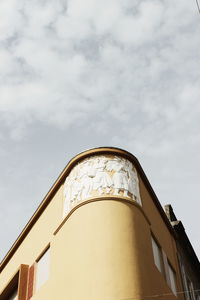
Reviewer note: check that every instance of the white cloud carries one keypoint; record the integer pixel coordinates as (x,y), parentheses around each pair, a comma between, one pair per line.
(142,27)
(62,61)
(121,72)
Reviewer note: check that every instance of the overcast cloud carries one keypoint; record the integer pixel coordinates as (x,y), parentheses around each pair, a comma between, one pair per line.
(78,74)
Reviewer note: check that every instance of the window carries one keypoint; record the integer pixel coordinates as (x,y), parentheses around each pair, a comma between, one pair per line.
(190,289)
(11,290)
(157,254)
(163,265)
(184,279)
(16,287)
(42,269)
(172,279)
(197,296)
(14,295)
(187,283)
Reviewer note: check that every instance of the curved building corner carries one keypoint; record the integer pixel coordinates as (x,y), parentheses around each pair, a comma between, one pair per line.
(100,233)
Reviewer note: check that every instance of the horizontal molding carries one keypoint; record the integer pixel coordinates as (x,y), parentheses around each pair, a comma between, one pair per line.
(105,198)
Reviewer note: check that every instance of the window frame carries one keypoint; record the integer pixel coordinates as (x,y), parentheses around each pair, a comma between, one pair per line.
(14,294)
(186,282)
(18,281)
(172,285)
(37,286)
(191,293)
(160,266)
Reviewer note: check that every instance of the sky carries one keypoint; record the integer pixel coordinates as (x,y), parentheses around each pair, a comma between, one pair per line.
(81,74)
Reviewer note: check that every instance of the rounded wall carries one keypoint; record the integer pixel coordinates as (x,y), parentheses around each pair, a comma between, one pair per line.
(97,253)
(102,250)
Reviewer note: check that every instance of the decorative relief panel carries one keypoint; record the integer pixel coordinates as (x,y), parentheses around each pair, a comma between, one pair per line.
(101,175)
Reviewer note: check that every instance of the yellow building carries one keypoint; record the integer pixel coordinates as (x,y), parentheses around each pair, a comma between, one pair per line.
(99,234)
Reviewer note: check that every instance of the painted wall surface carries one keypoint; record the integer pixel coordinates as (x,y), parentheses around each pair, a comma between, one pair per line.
(163,236)
(37,239)
(102,251)
(110,259)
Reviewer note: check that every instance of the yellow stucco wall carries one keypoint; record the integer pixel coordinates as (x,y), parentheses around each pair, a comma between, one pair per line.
(37,239)
(165,239)
(102,252)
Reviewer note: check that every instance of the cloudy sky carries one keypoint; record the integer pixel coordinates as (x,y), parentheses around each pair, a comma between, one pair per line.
(79,74)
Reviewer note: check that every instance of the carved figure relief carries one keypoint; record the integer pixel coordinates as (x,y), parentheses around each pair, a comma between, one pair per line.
(100,176)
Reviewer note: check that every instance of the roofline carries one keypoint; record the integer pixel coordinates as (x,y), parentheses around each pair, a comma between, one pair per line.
(60,180)
(186,245)
(182,237)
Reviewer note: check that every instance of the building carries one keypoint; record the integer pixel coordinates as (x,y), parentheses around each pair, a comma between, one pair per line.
(99,234)
(188,261)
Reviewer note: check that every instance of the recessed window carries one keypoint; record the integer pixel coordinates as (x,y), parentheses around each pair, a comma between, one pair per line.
(172,279)
(14,295)
(17,286)
(42,269)
(11,290)
(190,289)
(187,284)
(157,254)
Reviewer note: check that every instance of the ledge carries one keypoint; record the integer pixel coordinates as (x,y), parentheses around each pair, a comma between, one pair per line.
(105,198)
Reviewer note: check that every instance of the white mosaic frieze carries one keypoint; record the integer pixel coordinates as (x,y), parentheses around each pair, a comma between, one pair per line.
(101,176)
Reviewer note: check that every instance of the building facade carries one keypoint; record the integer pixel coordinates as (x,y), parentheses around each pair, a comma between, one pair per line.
(99,234)
(188,261)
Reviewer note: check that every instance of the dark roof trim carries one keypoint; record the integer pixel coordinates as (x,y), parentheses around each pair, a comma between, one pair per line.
(182,237)
(185,244)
